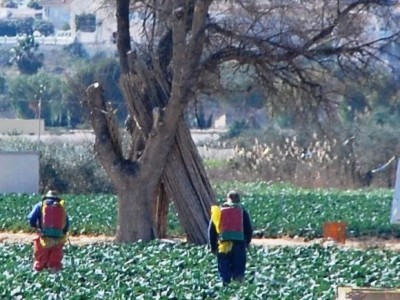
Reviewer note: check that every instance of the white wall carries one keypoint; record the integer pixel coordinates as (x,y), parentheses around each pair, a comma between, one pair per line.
(19,172)
(395,217)
(21,126)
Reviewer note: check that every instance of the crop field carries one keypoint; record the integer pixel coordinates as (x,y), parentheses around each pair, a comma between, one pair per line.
(180,271)
(162,270)
(275,210)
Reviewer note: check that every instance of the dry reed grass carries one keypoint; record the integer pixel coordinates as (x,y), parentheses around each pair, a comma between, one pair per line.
(323,163)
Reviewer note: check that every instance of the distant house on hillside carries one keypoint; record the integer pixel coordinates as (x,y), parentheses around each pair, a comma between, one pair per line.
(90,22)
(19,13)
(57,11)
(102,21)
(105,23)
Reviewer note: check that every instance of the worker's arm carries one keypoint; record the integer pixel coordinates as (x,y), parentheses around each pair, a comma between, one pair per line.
(247,228)
(34,216)
(212,237)
(67,224)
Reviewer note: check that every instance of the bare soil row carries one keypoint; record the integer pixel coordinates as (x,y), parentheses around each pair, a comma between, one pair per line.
(362,243)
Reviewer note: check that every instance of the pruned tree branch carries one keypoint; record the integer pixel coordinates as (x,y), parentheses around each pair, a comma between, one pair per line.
(107,143)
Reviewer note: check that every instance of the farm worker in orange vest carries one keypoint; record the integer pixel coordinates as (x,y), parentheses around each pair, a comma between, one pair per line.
(230,234)
(50,218)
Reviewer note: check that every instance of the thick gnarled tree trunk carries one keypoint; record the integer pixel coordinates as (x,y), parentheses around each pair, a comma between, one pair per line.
(143,199)
(186,181)
(141,226)
(168,167)
(184,177)
(160,212)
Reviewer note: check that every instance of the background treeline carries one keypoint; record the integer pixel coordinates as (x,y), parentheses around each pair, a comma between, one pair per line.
(287,145)
(272,155)
(59,76)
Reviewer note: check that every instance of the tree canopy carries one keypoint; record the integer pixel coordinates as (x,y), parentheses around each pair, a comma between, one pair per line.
(307,49)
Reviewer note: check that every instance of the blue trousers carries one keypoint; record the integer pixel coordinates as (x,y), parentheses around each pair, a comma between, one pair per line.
(232,265)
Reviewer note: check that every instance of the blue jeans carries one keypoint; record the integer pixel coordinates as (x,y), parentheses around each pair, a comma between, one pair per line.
(232,265)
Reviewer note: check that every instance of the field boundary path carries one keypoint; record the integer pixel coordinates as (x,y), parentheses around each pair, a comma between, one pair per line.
(362,243)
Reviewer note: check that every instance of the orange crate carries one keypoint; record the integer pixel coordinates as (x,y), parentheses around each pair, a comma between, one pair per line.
(335,231)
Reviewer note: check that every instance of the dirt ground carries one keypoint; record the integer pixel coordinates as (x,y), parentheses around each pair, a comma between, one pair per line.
(24,238)
(364,243)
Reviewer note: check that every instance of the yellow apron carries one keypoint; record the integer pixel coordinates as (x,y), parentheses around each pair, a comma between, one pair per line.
(48,242)
(223,246)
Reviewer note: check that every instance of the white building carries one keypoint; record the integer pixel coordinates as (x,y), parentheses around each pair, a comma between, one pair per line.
(57,12)
(62,12)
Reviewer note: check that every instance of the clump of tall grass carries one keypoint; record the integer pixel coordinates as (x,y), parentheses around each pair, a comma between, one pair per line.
(343,161)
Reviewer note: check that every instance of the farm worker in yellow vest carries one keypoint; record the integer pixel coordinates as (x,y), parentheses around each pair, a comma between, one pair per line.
(230,232)
(50,218)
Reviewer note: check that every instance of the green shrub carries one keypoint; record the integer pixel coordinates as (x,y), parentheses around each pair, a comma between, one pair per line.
(34,5)
(76,50)
(73,168)
(46,28)
(8,28)
(26,55)
(237,128)
(68,168)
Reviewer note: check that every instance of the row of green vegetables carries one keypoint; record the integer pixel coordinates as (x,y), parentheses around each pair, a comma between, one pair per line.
(158,270)
(275,211)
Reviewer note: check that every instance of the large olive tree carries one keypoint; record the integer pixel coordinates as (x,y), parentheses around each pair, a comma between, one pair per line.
(302,46)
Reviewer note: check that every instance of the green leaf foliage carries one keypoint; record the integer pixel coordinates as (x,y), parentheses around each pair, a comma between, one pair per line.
(89,214)
(276,211)
(66,167)
(159,270)
(27,91)
(283,210)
